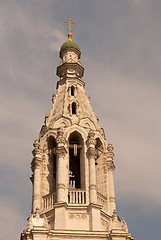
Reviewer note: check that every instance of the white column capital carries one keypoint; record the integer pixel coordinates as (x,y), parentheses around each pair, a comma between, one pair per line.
(91,141)
(60,140)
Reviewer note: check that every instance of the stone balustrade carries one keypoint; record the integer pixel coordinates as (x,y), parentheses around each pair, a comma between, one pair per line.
(48,201)
(102,201)
(76,196)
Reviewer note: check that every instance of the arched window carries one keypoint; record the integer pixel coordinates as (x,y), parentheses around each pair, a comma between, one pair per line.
(72,90)
(75,148)
(74,108)
(52,161)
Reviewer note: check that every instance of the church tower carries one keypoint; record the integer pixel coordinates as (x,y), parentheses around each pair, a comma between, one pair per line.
(73,188)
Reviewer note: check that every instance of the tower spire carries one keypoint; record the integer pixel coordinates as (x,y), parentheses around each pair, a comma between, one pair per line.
(73,186)
(70,21)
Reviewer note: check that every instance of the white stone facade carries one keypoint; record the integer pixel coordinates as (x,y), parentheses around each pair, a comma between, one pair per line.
(73,187)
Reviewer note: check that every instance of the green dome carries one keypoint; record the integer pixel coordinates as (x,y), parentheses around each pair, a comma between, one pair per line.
(69,44)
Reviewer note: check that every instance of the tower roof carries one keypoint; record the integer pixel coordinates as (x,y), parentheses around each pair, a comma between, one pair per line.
(69,44)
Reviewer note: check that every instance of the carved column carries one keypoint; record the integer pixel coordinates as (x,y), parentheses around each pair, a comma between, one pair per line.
(60,153)
(111,167)
(91,153)
(36,163)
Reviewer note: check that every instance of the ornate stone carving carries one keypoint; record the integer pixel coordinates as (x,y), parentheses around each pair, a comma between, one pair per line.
(36,152)
(110,147)
(91,140)
(36,220)
(60,139)
(110,165)
(36,162)
(61,151)
(91,134)
(80,216)
(110,154)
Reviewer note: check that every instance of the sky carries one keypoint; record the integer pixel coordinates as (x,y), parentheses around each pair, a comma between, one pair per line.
(120,42)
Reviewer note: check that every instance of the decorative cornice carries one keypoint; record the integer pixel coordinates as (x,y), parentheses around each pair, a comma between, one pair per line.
(62,69)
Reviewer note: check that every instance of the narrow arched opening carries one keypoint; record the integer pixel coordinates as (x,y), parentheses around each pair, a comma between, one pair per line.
(72,90)
(52,163)
(101,167)
(74,108)
(99,149)
(75,152)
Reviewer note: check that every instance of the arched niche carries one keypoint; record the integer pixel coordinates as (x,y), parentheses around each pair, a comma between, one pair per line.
(74,108)
(99,147)
(101,171)
(76,161)
(72,91)
(52,163)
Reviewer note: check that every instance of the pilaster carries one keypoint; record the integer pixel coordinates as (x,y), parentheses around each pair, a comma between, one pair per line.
(36,164)
(93,208)
(111,167)
(60,154)
(91,154)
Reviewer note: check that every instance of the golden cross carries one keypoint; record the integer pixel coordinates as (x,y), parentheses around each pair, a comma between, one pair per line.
(69,21)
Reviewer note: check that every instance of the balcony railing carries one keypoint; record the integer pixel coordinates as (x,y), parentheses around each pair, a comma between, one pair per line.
(48,201)
(102,201)
(76,196)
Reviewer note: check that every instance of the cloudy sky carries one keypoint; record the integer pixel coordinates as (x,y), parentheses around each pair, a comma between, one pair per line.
(120,41)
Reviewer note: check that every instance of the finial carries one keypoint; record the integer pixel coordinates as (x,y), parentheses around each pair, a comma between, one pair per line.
(70,31)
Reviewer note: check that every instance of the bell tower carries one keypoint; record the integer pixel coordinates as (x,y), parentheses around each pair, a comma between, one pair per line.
(73,187)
